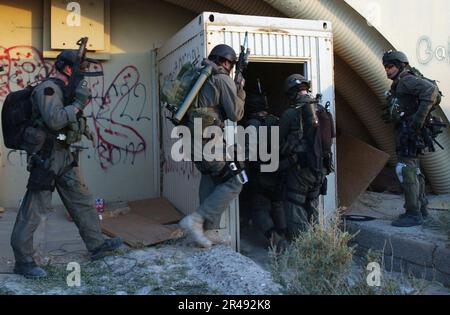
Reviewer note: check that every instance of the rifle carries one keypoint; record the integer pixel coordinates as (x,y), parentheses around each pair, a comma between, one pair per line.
(433,127)
(242,62)
(80,65)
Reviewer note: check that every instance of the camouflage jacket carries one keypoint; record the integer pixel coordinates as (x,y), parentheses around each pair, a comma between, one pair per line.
(415,96)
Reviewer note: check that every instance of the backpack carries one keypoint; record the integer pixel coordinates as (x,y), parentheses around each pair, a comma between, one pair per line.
(326,133)
(19,128)
(320,139)
(319,134)
(415,72)
(174,92)
(434,124)
(16,117)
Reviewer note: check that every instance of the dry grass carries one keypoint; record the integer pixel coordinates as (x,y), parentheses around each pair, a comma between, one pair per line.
(439,222)
(320,262)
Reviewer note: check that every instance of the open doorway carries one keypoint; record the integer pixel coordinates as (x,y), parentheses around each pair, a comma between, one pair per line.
(265,78)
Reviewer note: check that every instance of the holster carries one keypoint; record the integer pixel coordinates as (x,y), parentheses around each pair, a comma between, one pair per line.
(41,179)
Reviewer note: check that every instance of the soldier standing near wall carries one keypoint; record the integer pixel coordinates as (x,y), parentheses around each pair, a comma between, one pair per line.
(54,166)
(411,99)
(218,100)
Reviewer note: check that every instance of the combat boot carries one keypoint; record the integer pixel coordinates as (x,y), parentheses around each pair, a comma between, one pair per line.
(106,248)
(218,239)
(408,220)
(193,225)
(278,242)
(29,270)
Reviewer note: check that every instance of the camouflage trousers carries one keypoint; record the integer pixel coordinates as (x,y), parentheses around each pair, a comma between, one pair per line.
(267,214)
(215,196)
(302,191)
(36,205)
(413,184)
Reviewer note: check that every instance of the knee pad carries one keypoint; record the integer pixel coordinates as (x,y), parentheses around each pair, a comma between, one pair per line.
(410,175)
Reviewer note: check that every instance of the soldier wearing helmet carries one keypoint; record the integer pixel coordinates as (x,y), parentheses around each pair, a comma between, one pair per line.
(55,166)
(412,97)
(218,100)
(303,176)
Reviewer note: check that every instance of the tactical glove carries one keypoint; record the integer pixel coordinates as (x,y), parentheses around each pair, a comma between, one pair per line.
(82,95)
(90,136)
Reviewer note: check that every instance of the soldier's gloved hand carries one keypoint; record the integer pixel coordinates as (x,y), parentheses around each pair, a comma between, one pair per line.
(82,95)
(90,136)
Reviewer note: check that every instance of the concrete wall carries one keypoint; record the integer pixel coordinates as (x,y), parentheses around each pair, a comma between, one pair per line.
(121,165)
(421,29)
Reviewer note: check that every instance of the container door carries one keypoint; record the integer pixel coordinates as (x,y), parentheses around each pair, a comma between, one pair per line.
(180,181)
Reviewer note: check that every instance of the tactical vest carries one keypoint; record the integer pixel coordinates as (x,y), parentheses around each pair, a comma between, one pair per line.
(408,103)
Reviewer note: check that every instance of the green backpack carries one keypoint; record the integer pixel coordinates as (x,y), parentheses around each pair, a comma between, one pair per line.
(174,92)
(417,73)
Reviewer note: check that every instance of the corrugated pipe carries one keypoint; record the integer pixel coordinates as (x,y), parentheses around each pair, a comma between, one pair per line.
(361,47)
(365,104)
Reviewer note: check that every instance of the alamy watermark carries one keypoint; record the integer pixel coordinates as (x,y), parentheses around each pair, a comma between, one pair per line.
(74,18)
(374,277)
(233,143)
(73,279)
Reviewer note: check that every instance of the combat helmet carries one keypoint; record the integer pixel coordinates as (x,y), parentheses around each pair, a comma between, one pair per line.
(394,57)
(65,58)
(295,80)
(223,51)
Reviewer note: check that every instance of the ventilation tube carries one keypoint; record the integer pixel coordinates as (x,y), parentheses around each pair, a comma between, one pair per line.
(361,47)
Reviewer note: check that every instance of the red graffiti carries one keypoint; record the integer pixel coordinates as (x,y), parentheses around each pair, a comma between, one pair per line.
(22,66)
(112,108)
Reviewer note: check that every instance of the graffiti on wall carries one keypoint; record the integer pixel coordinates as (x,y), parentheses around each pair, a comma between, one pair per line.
(115,111)
(184,169)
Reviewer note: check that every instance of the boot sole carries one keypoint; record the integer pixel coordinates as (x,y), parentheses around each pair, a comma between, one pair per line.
(28,276)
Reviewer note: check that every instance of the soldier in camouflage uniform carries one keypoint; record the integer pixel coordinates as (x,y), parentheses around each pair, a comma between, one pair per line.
(412,97)
(264,189)
(54,166)
(305,176)
(218,100)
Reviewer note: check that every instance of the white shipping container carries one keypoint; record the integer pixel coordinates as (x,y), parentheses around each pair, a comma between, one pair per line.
(279,47)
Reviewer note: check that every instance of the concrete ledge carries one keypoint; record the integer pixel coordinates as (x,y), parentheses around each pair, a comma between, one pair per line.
(414,250)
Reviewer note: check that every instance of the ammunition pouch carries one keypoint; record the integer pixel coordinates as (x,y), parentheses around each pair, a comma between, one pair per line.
(75,131)
(207,115)
(41,179)
(33,140)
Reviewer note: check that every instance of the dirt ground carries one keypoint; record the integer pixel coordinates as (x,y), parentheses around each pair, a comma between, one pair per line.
(168,269)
